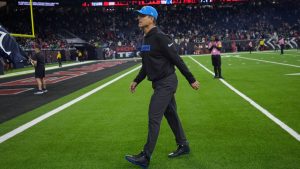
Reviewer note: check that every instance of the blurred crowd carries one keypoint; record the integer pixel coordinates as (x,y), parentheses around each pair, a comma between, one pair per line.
(187,24)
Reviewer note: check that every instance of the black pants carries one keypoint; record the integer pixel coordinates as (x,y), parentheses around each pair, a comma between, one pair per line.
(281,48)
(59,62)
(216,62)
(163,104)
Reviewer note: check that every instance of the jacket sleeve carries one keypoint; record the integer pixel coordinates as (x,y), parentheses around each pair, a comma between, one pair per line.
(169,50)
(141,76)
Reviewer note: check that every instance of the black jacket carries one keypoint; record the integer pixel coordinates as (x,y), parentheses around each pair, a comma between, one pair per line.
(159,56)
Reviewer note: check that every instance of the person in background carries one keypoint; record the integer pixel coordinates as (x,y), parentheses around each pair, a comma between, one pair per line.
(80,55)
(250,46)
(281,43)
(58,57)
(38,61)
(215,47)
(261,44)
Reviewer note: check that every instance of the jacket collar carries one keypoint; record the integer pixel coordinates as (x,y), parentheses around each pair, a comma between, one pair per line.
(151,32)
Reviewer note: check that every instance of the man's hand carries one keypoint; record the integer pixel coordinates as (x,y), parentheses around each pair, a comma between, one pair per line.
(195,85)
(31,61)
(133,86)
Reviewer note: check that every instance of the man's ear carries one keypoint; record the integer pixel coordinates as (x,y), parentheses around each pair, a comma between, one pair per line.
(154,21)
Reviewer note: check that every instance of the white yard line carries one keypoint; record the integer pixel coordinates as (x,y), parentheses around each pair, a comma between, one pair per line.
(254,104)
(293,74)
(60,108)
(290,54)
(244,52)
(278,63)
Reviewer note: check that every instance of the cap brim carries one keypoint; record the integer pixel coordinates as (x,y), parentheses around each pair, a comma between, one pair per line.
(138,12)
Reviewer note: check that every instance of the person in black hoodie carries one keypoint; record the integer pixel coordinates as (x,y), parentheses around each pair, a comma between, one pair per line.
(159,58)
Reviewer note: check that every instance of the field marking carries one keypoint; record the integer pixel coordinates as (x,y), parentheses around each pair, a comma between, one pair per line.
(60,108)
(293,74)
(244,52)
(47,68)
(73,64)
(290,54)
(254,104)
(278,63)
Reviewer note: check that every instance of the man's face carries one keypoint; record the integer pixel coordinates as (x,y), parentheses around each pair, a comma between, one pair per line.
(144,20)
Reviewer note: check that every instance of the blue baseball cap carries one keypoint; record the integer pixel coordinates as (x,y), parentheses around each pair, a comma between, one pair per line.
(148,10)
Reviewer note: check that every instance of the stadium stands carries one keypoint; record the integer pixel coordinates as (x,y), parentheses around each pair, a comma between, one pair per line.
(189,25)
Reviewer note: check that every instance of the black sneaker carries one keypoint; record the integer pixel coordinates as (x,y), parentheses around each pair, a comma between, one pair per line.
(38,92)
(181,150)
(139,160)
(45,90)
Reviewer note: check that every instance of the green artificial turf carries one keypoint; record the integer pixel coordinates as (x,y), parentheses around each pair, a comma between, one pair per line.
(224,130)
